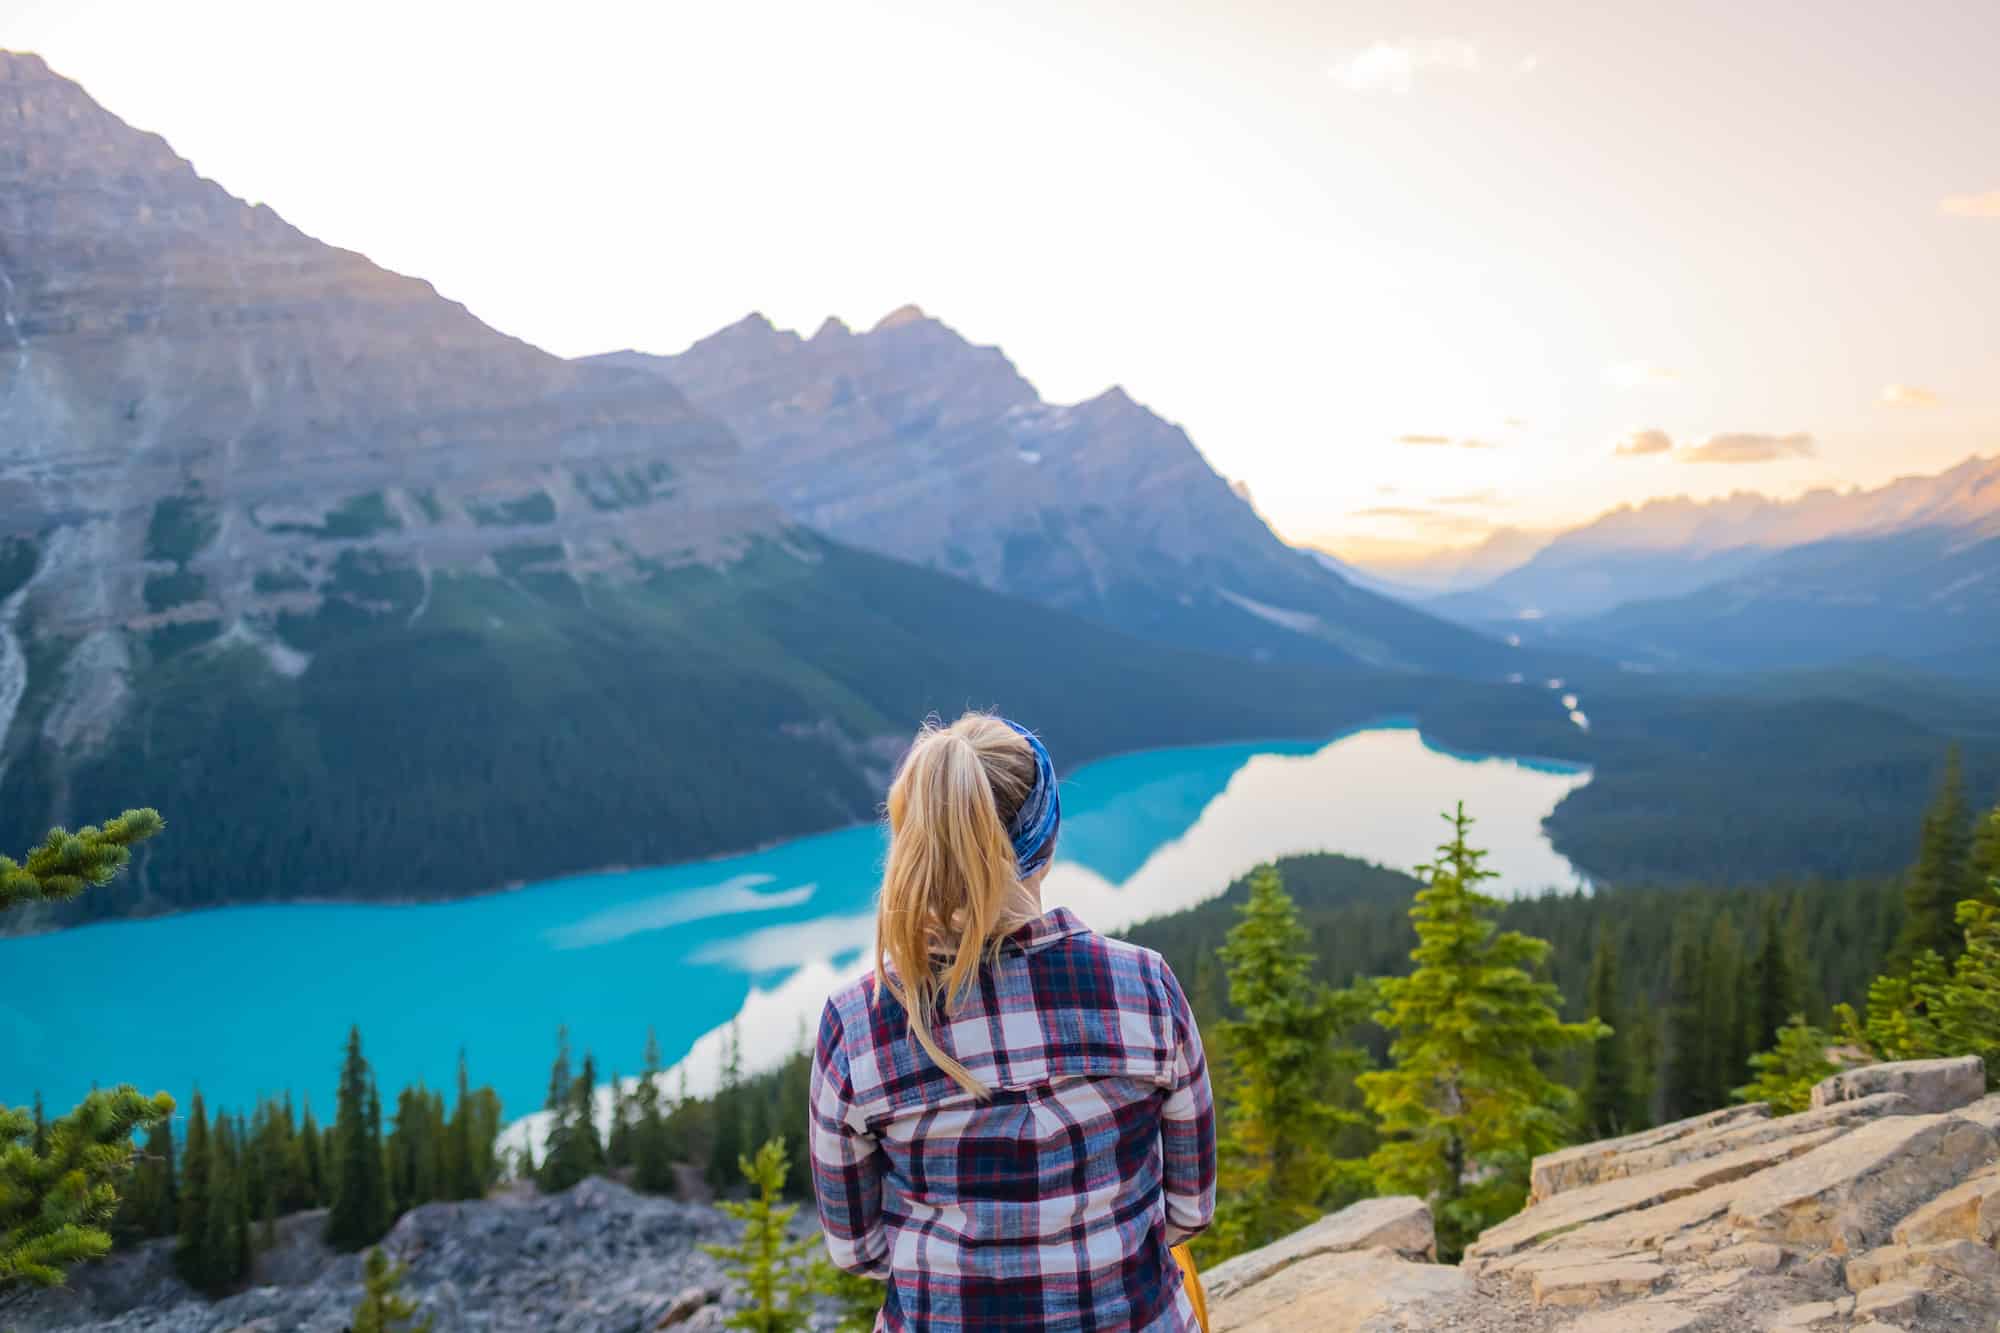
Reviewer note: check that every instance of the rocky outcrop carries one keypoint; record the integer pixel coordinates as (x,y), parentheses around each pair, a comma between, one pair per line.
(910,440)
(596,1259)
(1877,1210)
(212,425)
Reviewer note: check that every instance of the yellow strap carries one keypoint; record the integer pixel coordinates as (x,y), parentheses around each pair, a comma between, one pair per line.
(1192,1281)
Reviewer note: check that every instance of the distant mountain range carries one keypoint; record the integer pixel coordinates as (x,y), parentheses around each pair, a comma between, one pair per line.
(374,601)
(1909,571)
(911,441)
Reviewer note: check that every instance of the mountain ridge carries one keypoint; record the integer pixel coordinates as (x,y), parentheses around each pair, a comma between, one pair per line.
(915,442)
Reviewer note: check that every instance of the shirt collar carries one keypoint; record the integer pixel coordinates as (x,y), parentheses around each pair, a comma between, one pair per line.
(1058,923)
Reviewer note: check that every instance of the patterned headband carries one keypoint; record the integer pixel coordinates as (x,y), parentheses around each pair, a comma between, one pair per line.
(1033,829)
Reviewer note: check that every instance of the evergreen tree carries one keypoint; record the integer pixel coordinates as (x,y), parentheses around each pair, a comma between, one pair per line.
(1723,1016)
(583,1100)
(618,1143)
(58,1201)
(1787,1073)
(1942,877)
(1287,1056)
(191,1252)
(383,1307)
(726,1141)
(1986,858)
(1774,989)
(652,1146)
(1688,1038)
(313,1160)
(858,1299)
(1607,1086)
(359,1208)
(1466,1103)
(777,1280)
(151,1206)
(1937,1009)
(467,1169)
(59,1180)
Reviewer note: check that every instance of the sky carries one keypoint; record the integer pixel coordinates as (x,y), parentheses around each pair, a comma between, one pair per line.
(1410,272)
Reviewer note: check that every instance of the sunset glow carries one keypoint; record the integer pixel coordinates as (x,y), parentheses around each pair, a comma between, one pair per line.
(1410,272)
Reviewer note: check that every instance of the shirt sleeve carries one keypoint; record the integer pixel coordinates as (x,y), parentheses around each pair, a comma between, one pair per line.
(846,1160)
(1187,1126)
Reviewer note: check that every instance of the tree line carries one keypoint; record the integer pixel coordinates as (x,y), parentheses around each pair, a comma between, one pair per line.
(220,1191)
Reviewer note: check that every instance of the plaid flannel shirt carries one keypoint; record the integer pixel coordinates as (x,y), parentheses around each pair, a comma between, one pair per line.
(1053,1203)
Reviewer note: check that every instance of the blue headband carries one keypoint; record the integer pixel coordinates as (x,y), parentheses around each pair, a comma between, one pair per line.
(1033,829)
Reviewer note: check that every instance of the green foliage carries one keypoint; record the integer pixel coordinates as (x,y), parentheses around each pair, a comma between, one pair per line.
(59,1182)
(278,782)
(857,1298)
(654,1150)
(1787,1072)
(572,1150)
(180,526)
(1610,1103)
(1287,1079)
(65,864)
(361,1207)
(1466,1102)
(151,1203)
(1944,874)
(59,1179)
(1940,1009)
(777,1279)
(383,1307)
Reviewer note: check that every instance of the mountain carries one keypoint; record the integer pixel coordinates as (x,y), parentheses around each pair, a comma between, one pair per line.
(373,601)
(1430,574)
(1669,547)
(911,441)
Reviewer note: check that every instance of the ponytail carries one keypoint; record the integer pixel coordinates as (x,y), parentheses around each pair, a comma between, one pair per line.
(952,884)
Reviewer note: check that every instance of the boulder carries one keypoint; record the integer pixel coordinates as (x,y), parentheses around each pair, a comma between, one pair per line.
(1594,1283)
(1400,1224)
(1969,1211)
(1592,1203)
(1848,1193)
(1357,1292)
(1554,1173)
(1891,1300)
(1933,1085)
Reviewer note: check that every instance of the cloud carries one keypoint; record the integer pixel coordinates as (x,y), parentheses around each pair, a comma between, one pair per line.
(1985,205)
(1393,67)
(1445,441)
(737,894)
(1469,498)
(1747,447)
(1907,395)
(1639,374)
(1644,444)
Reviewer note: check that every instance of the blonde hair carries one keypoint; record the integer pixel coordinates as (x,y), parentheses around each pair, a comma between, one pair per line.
(952,886)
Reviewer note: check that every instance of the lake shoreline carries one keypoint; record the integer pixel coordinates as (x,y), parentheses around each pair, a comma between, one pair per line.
(1384,722)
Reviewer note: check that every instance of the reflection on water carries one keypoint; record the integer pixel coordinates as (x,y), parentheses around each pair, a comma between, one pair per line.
(261,997)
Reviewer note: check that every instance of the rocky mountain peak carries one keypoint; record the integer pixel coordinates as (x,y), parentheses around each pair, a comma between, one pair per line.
(899,317)
(210,422)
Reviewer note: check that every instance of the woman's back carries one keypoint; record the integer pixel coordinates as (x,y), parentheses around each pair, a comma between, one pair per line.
(1050,1203)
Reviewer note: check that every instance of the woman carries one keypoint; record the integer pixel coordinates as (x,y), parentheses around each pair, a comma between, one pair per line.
(1010,1118)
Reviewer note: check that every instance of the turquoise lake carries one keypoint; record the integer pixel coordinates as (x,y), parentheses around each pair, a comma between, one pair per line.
(252,1000)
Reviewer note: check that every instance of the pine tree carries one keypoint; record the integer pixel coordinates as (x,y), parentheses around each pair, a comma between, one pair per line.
(151,1206)
(65,864)
(1281,1094)
(1723,1016)
(1939,1010)
(1787,1073)
(1688,1039)
(858,1299)
(773,1269)
(1774,989)
(467,1176)
(1942,877)
(652,1148)
(58,1201)
(1466,1103)
(1986,858)
(383,1307)
(618,1143)
(59,1179)
(190,1252)
(1607,1085)
(583,1102)
(313,1159)
(727,1143)
(359,1208)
